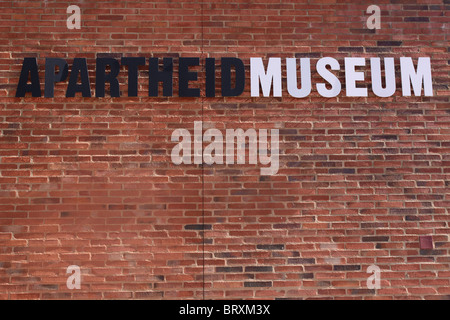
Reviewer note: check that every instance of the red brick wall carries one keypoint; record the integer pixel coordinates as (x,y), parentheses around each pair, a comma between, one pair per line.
(90,182)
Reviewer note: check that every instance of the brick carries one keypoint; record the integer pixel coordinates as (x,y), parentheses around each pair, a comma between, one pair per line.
(301,261)
(257,284)
(384,137)
(351,49)
(375,239)
(389,43)
(363,291)
(270,246)
(258,269)
(197,227)
(346,267)
(229,269)
(417,19)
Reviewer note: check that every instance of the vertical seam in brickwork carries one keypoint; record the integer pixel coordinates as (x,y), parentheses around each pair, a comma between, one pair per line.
(203,167)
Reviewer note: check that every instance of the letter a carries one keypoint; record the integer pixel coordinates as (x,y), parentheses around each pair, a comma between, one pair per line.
(374,21)
(74,281)
(74,21)
(184,147)
(373,282)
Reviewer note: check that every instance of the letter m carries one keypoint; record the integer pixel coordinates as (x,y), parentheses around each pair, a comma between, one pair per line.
(422,76)
(259,75)
(250,310)
(240,136)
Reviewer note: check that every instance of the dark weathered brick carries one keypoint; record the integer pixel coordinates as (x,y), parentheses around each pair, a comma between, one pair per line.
(270,246)
(229,269)
(287,226)
(342,171)
(362,31)
(417,19)
(375,239)
(415,7)
(389,43)
(301,261)
(198,227)
(363,291)
(351,49)
(309,55)
(407,211)
(431,252)
(346,267)
(258,284)
(259,269)
(385,137)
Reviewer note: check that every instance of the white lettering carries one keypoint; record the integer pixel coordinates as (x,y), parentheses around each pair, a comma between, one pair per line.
(351,76)
(259,75)
(291,69)
(329,77)
(422,76)
(377,86)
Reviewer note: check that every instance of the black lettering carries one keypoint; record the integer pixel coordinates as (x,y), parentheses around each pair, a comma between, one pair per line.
(155,76)
(79,67)
(133,64)
(51,77)
(102,77)
(186,76)
(29,67)
(227,90)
